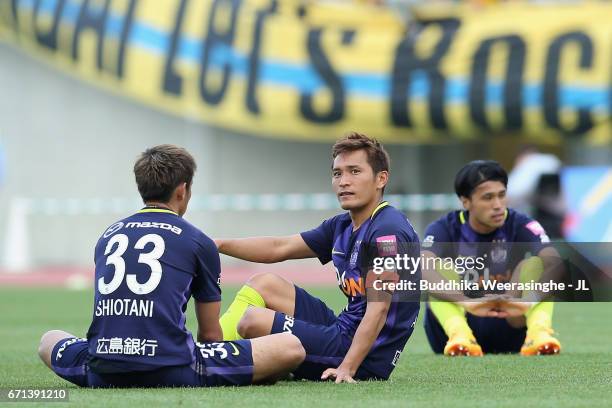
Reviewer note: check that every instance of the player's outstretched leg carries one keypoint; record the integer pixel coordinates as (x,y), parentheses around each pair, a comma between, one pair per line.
(261,290)
(48,341)
(275,356)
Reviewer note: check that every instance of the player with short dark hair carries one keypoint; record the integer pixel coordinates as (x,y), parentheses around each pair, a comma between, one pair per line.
(487,228)
(365,340)
(148,266)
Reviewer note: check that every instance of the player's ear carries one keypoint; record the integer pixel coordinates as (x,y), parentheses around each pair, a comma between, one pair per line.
(382,178)
(181,191)
(465,201)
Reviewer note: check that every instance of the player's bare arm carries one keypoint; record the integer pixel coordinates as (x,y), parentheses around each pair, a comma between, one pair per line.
(207,314)
(266,249)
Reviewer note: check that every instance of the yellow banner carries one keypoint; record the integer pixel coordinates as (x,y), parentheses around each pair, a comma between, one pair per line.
(278,69)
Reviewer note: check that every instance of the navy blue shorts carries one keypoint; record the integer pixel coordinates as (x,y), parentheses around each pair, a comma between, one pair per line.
(493,334)
(315,325)
(215,364)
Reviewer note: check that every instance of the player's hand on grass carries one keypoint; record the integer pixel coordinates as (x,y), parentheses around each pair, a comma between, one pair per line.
(340,375)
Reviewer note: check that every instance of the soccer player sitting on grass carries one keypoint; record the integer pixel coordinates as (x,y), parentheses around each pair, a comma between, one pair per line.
(147,267)
(365,340)
(486,227)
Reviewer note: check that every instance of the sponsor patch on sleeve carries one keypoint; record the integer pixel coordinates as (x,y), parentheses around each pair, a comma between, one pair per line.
(387,245)
(537,230)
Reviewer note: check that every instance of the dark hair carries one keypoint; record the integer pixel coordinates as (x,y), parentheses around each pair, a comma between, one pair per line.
(377,156)
(161,169)
(477,172)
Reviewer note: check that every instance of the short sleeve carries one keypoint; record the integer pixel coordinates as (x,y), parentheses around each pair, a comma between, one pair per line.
(392,249)
(390,239)
(436,238)
(531,231)
(320,240)
(206,285)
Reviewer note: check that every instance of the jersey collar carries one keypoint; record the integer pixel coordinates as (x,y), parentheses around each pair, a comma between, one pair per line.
(377,209)
(155,210)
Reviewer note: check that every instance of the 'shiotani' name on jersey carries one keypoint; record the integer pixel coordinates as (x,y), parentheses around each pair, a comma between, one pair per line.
(125,307)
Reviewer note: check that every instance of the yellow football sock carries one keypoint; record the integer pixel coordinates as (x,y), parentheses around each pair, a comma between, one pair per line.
(531,270)
(540,315)
(246,296)
(450,315)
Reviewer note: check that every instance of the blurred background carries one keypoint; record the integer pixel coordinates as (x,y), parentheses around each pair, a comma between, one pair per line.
(258,91)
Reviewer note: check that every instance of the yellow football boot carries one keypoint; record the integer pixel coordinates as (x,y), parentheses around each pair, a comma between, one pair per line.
(540,342)
(462,344)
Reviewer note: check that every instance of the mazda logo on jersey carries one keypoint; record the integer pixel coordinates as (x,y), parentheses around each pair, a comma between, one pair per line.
(112,229)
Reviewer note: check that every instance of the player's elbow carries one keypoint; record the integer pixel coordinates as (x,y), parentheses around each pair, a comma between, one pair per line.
(288,247)
(378,310)
(278,252)
(272,258)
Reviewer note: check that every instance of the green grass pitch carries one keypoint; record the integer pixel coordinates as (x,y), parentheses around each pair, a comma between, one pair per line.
(580,377)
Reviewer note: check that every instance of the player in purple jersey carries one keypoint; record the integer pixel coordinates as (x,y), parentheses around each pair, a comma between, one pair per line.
(500,237)
(148,266)
(365,340)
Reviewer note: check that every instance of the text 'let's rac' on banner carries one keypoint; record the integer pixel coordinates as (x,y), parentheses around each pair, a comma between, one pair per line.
(312,72)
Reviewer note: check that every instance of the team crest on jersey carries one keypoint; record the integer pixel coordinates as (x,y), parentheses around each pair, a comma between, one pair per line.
(112,229)
(428,241)
(387,245)
(499,253)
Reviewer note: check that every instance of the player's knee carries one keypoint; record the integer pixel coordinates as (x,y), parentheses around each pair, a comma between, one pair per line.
(295,352)
(248,326)
(243,327)
(46,344)
(264,282)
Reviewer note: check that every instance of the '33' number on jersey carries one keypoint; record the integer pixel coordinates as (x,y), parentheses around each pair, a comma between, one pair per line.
(120,242)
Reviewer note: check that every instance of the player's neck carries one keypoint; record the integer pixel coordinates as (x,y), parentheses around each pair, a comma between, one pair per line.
(480,228)
(163,206)
(360,215)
